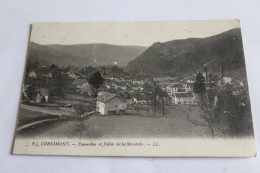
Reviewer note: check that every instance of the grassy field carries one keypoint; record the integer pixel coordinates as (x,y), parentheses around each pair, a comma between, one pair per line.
(28,111)
(174,124)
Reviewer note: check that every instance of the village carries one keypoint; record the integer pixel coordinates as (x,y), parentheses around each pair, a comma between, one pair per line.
(59,93)
(119,91)
(114,96)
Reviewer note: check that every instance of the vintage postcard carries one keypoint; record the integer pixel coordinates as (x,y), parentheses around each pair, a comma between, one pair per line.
(151,89)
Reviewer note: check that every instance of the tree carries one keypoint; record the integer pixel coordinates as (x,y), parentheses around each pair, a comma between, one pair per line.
(96,81)
(43,100)
(30,91)
(148,90)
(80,110)
(116,70)
(199,86)
(36,65)
(57,83)
(88,71)
(52,66)
(224,107)
(29,67)
(233,111)
(158,95)
(162,97)
(155,93)
(206,93)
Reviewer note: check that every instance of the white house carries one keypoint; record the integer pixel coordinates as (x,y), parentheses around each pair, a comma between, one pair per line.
(136,87)
(183,98)
(73,76)
(45,66)
(40,94)
(82,86)
(190,81)
(79,83)
(176,88)
(117,80)
(110,104)
(32,74)
(188,86)
(123,87)
(86,88)
(227,80)
(108,86)
(114,85)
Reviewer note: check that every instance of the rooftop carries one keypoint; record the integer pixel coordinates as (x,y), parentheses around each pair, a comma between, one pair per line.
(79,81)
(183,95)
(43,91)
(106,96)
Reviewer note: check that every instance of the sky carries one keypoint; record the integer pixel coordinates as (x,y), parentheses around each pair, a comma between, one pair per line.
(126,33)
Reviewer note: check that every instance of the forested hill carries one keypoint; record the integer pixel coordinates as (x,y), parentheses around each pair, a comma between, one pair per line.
(188,55)
(83,54)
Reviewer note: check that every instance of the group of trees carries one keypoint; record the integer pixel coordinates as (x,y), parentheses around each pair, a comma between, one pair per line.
(157,96)
(55,83)
(222,110)
(96,80)
(109,71)
(58,82)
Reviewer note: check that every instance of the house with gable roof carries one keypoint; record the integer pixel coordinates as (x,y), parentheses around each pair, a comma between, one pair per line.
(72,75)
(127,97)
(33,74)
(110,104)
(41,94)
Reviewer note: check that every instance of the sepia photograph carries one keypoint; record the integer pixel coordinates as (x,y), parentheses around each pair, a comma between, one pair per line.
(162,88)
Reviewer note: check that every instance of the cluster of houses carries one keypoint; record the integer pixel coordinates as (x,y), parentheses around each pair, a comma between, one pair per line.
(37,82)
(112,104)
(79,84)
(118,93)
(130,85)
(40,95)
(180,93)
(42,76)
(82,86)
(179,90)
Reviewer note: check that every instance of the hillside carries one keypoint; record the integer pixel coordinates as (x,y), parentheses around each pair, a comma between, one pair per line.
(83,54)
(46,55)
(189,55)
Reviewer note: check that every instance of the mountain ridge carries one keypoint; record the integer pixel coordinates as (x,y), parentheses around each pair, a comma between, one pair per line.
(97,54)
(182,56)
